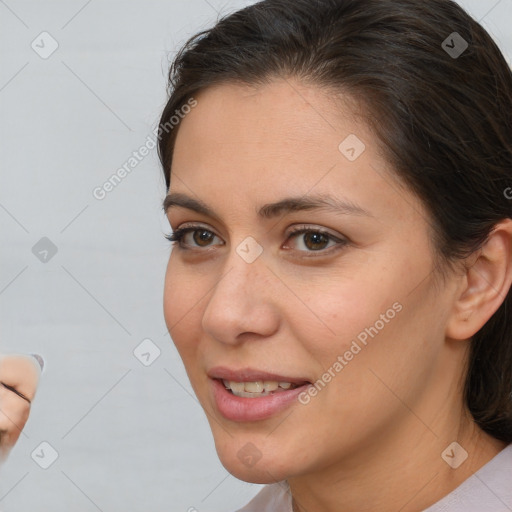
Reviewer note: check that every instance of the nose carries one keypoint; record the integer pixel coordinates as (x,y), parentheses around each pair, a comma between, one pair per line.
(244,304)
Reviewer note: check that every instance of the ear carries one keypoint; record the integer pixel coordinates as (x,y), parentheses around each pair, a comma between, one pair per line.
(484,284)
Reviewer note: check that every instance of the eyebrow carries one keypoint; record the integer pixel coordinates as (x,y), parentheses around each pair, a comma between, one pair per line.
(287,205)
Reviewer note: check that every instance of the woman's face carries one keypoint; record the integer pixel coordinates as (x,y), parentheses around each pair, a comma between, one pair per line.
(353,310)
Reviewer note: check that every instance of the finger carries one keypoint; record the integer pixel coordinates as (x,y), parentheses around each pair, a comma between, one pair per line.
(16,392)
(21,373)
(14,413)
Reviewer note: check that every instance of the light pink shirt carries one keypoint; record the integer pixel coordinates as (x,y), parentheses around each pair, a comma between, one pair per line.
(487,490)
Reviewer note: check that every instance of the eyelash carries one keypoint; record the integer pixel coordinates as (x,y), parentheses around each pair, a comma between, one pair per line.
(176,237)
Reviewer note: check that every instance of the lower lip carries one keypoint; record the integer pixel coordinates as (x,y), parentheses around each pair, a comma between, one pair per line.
(237,408)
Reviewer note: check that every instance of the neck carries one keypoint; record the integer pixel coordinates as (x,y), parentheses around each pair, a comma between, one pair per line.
(399,472)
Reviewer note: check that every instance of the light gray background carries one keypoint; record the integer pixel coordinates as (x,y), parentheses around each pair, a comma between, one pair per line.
(129,437)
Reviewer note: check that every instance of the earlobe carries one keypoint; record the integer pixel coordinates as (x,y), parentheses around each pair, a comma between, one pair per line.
(484,285)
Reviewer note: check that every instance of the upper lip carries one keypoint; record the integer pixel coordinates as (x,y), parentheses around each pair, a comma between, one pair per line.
(250,375)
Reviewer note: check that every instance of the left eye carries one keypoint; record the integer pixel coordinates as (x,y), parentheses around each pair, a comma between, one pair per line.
(315,240)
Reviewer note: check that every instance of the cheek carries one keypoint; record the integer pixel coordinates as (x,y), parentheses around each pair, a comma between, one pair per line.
(179,296)
(345,308)
(368,320)
(182,306)
(384,339)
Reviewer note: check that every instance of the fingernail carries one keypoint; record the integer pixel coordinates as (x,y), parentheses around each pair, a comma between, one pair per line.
(39,359)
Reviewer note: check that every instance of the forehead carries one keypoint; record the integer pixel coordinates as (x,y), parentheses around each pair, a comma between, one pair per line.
(281,126)
(281,138)
(279,113)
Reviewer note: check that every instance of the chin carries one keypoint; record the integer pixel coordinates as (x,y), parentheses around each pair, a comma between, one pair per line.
(260,473)
(245,461)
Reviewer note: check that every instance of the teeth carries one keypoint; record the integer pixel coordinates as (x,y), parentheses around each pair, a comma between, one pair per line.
(236,386)
(270,385)
(257,388)
(254,387)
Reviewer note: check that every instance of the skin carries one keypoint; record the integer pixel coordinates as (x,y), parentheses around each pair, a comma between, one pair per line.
(372,439)
(21,373)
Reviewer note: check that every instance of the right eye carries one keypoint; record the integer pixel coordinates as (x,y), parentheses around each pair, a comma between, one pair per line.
(200,236)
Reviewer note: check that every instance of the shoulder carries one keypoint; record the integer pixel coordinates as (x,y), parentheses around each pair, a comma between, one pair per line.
(272,498)
(488,489)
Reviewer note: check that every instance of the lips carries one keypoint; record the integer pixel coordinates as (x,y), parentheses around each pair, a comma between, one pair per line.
(252,375)
(252,406)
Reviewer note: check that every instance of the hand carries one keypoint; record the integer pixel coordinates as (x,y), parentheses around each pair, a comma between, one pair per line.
(19,377)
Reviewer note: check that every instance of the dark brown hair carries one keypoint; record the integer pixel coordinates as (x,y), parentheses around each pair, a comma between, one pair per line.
(442,113)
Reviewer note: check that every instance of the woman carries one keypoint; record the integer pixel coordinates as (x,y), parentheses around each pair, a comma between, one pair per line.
(339,179)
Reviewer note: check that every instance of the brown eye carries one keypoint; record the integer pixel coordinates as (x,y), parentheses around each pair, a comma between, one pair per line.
(202,236)
(310,240)
(315,240)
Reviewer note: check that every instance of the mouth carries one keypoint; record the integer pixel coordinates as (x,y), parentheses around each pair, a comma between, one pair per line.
(252,395)
(259,388)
